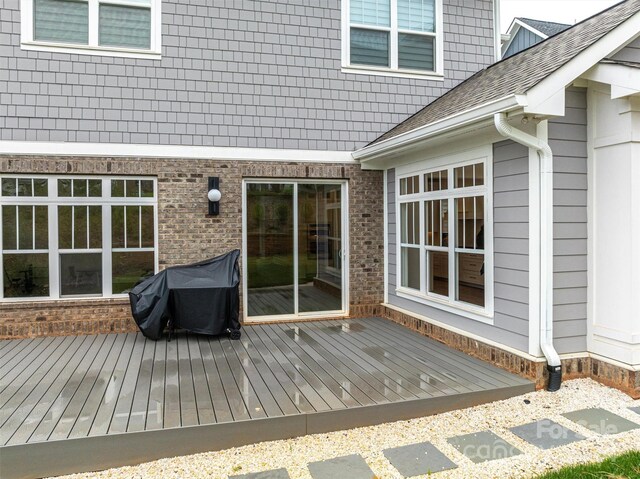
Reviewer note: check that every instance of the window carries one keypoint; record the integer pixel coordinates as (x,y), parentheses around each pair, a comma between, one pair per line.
(113,27)
(397,36)
(442,229)
(66,237)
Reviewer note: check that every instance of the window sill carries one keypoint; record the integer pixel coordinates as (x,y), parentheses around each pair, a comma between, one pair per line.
(89,50)
(460,309)
(364,70)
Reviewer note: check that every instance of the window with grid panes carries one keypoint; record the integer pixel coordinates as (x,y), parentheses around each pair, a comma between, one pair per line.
(396,35)
(76,237)
(442,222)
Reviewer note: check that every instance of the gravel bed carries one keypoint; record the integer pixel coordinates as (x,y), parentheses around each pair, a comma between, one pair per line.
(294,454)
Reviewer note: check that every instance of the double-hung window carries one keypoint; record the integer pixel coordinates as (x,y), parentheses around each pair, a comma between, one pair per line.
(70,237)
(111,27)
(444,228)
(393,36)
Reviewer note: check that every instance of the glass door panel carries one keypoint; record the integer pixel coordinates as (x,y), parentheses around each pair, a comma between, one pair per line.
(294,249)
(270,249)
(319,248)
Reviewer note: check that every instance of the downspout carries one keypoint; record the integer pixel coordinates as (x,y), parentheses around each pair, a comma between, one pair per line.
(546,242)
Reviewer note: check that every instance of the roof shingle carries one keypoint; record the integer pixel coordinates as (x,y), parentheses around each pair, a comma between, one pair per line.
(520,72)
(548,28)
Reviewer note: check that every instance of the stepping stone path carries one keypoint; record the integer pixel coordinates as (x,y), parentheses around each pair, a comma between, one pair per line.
(483,446)
(546,434)
(424,458)
(418,459)
(353,467)
(273,474)
(601,421)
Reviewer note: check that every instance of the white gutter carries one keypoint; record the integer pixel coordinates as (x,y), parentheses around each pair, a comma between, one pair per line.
(452,122)
(546,237)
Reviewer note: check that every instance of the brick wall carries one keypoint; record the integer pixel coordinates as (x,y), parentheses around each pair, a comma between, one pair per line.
(186,234)
(232,74)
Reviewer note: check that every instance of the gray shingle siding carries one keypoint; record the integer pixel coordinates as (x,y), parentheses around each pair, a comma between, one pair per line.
(239,74)
(511,250)
(568,141)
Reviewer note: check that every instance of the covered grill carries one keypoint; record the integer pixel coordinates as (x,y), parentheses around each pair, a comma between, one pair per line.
(202,298)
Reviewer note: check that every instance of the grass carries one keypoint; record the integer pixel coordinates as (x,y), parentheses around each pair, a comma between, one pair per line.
(277,270)
(625,466)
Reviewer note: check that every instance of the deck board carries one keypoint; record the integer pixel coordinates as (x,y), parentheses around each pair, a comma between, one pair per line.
(280,376)
(105,412)
(120,419)
(29,372)
(204,406)
(65,395)
(353,369)
(216,390)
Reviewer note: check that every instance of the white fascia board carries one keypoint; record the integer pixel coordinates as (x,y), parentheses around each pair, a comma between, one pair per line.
(624,80)
(543,98)
(46,148)
(486,110)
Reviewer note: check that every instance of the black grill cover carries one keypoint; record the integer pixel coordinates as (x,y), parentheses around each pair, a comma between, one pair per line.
(201,297)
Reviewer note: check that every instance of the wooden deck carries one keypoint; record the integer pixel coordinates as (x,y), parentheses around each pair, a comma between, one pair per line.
(71,404)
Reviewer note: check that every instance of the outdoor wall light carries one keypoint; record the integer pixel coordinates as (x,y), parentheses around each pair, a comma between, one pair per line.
(214,195)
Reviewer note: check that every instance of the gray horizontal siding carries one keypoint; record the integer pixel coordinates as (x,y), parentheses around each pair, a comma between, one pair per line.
(567,138)
(511,240)
(511,253)
(245,74)
(630,53)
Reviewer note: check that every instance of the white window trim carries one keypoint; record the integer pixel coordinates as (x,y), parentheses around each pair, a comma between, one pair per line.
(393,70)
(484,154)
(106,201)
(27,42)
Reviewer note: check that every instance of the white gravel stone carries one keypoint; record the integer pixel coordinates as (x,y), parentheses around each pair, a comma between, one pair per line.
(295,454)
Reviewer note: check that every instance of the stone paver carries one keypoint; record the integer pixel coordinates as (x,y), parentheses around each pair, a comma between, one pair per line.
(418,459)
(352,467)
(483,446)
(601,421)
(273,474)
(546,434)
(635,409)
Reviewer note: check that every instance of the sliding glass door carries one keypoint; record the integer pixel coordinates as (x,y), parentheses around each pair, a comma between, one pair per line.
(294,249)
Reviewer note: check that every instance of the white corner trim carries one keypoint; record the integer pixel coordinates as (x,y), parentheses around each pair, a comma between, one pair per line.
(497,50)
(462,332)
(449,123)
(385,224)
(171,151)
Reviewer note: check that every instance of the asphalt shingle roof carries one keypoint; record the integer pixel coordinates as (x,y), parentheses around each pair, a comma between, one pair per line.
(548,28)
(520,72)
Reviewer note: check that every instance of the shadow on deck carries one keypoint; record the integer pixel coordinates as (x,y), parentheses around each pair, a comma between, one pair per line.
(86,403)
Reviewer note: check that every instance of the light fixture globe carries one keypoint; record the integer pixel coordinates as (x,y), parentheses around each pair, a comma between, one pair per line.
(214,195)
